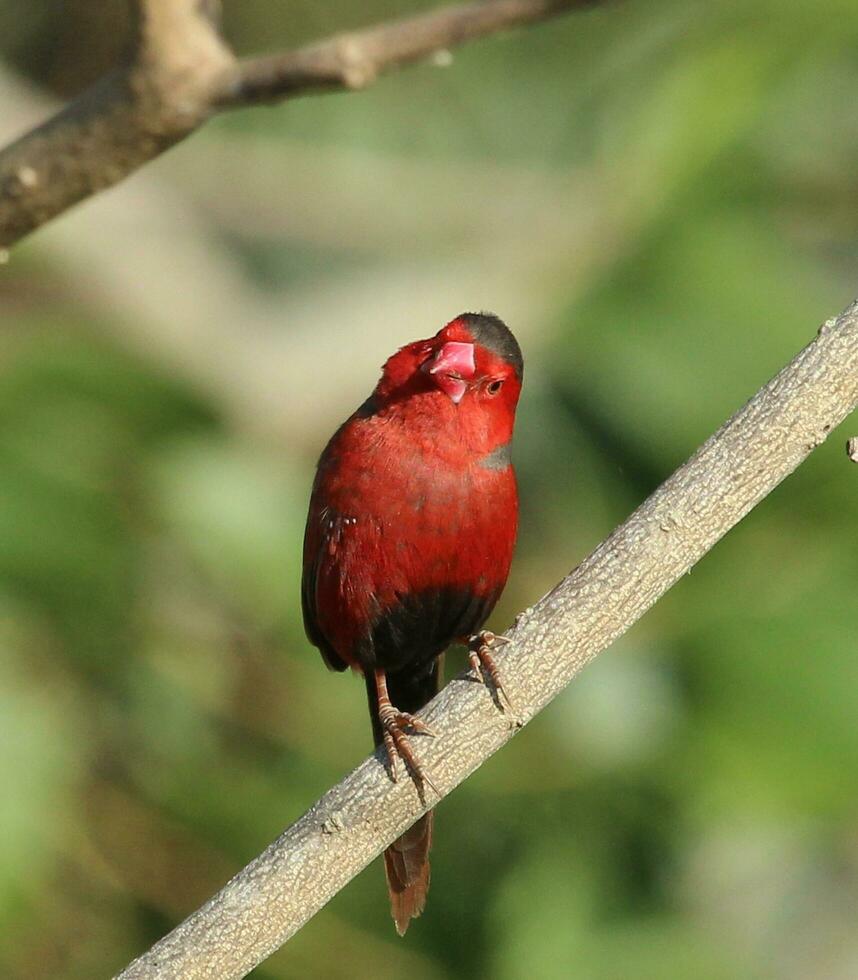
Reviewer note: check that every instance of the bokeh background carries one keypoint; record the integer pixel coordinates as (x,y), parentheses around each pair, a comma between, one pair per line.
(660,197)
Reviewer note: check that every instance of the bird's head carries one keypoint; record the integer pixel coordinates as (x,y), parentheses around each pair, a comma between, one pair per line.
(474,361)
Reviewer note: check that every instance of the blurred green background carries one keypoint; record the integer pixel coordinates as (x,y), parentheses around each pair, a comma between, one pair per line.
(660,197)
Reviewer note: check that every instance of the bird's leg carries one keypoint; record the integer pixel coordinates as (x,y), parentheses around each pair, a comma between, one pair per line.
(393,725)
(480,658)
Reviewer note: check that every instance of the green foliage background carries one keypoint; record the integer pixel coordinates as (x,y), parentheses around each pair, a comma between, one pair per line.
(660,197)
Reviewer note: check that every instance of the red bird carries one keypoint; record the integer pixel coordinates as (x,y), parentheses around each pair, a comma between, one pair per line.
(409,541)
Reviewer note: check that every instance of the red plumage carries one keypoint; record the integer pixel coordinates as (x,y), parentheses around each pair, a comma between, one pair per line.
(410,535)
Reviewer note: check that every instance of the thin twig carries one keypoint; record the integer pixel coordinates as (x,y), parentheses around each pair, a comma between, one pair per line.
(356,59)
(735,469)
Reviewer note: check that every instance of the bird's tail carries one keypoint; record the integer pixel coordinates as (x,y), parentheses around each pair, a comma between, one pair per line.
(406,861)
(406,865)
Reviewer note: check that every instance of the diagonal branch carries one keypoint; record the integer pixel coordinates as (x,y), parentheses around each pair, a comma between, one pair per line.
(356,59)
(179,73)
(735,469)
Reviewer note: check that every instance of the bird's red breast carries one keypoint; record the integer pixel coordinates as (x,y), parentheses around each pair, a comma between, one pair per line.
(414,510)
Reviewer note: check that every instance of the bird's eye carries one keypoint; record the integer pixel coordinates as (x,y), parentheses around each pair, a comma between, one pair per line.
(494,387)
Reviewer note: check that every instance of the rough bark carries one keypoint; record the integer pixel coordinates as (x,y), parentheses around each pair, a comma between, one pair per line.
(735,469)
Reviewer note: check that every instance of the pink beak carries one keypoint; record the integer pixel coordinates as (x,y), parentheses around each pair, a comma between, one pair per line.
(453,363)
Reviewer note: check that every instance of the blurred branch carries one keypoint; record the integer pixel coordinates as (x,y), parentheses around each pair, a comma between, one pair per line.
(165,89)
(179,72)
(735,469)
(355,60)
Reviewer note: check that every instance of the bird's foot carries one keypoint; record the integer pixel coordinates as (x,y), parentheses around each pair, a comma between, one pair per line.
(483,663)
(396,725)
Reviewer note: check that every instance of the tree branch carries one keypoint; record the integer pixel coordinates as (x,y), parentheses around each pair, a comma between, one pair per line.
(180,72)
(355,60)
(735,469)
(161,93)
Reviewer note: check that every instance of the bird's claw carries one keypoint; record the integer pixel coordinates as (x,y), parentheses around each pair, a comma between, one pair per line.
(394,725)
(482,662)
(390,749)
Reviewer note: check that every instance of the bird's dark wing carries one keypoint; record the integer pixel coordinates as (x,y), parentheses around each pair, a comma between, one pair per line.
(315,542)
